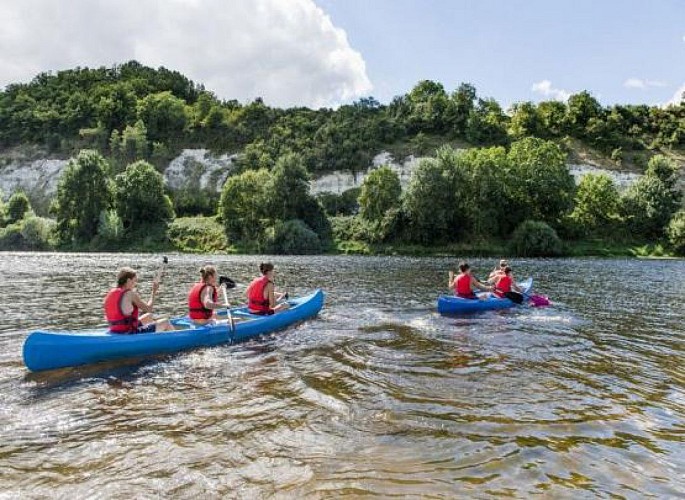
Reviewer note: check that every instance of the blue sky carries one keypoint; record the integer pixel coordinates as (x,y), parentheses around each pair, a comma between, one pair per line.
(623,51)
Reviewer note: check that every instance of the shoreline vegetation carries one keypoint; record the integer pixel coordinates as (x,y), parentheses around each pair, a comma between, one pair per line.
(506,190)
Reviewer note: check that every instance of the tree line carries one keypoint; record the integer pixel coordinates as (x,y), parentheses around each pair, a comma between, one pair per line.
(523,193)
(129,120)
(132,112)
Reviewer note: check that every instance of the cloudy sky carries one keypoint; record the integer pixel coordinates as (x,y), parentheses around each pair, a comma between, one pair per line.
(326,52)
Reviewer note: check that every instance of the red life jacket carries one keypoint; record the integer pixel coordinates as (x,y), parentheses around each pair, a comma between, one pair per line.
(256,301)
(462,286)
(118,321)
(196,308)
(503,286)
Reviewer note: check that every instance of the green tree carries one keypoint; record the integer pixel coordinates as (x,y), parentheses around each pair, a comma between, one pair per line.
(541,184)
(164,115)
(487,124)
(433,200)
(597,205)
(17,207)
(484,191)
(3,210)
(243,205)
(676,232)
(582,108)
(428,102)
(140,197)
(82,193)
(525,121)
(380,192)
(552,117)
(462,103)
(290,197)
(649,203)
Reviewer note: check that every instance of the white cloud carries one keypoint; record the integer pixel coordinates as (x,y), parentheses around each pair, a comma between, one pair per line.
(678,96)
(637,83)
(545,88)
(286,51)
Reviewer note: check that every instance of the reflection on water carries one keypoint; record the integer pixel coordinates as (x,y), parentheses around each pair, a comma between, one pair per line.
(377,396)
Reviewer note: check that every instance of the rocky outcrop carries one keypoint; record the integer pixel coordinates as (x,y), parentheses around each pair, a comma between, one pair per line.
(200,169)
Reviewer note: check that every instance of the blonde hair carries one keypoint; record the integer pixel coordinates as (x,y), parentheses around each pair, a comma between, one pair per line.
(206,272)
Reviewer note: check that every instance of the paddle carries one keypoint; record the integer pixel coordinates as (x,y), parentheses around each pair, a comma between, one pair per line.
(160,272)
(225,282)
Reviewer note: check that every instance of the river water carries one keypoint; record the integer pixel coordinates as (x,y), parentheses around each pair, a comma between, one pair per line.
(377,396)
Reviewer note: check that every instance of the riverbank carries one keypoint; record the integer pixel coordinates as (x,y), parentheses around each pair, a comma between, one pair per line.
(205,235)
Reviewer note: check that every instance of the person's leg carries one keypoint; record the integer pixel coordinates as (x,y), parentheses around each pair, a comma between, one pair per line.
(281,307)
(163,325)
(146,319)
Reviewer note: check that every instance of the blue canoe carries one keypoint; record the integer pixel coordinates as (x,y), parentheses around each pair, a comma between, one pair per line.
(449,304)
(47,350)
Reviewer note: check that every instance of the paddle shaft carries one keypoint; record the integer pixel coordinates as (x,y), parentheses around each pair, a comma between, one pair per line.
(228,310)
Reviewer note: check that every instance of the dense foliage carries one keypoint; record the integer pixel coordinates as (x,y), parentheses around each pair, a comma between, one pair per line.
(140,197)
(17,206)
(83,192)
(535,239)
(133,119)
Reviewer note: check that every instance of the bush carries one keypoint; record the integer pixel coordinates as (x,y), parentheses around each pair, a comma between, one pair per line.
(676,232)
(17,206)
(110,226)
(197,234)
(37,233)
(345,203)
(292,237)
(11,238)
(349,228)
(535,239)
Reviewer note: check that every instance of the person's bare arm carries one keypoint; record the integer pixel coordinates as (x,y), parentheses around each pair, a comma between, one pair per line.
(479,285)
(146,307)
(270,296)
(207,301)
(450,282)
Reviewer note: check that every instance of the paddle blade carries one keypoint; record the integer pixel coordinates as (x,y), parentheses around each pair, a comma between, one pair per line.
(226,281)
(539,301)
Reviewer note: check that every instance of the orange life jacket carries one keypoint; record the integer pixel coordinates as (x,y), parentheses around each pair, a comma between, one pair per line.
(196,309)
(118,321)
(256,301)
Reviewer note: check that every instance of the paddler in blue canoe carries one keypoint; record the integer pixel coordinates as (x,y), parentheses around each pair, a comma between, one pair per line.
(202,297)
(465,284)
(262,297)
(506,287)
(123,305)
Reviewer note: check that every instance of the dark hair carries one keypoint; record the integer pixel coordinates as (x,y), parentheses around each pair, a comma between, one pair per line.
(124,274)
(463,267)
(207,271)
(265,267)
(507,270)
